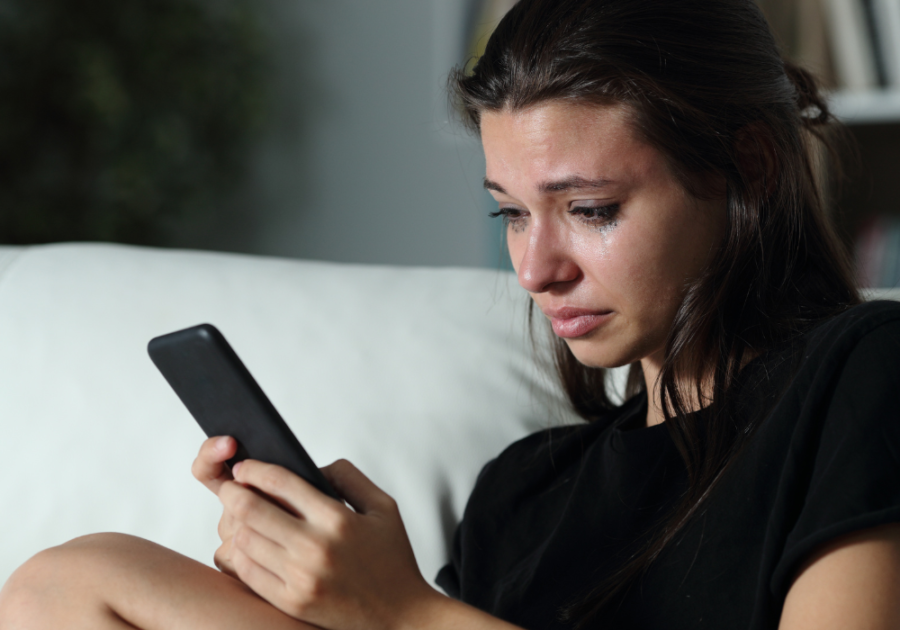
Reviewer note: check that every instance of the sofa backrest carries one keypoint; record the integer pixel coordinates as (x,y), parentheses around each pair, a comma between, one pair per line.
(418,376)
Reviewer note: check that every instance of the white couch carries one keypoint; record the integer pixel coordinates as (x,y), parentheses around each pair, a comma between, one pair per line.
(419,376)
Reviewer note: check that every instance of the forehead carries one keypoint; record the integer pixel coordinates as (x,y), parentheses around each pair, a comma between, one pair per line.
(558,140)
(562,118)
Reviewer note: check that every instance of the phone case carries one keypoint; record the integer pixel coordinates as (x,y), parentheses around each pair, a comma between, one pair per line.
(224,399)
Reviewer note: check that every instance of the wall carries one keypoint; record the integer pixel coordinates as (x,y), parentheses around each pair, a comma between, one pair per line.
(361,164)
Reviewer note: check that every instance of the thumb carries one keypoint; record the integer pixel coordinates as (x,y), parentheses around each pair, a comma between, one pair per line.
(358,490)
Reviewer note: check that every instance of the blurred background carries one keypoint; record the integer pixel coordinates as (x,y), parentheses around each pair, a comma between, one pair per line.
(320,128)
(314,129)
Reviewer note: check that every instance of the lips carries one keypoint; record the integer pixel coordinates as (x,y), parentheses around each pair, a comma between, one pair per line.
(570,322)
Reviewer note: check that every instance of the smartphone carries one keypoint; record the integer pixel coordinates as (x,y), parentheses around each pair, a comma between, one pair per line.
(225,399)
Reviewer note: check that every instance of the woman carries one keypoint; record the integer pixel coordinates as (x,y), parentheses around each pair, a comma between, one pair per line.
(652,162)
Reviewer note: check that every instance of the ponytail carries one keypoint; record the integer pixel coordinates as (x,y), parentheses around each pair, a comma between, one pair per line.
(814,110)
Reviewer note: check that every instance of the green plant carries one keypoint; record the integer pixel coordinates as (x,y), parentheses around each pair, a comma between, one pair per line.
(119,118)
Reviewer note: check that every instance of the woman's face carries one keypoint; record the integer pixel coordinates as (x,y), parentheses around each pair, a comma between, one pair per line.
(600,232)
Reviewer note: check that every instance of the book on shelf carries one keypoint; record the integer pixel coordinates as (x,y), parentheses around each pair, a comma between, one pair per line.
(886,16)
(851,45)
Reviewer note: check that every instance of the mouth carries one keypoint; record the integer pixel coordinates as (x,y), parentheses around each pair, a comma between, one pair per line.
(571,323)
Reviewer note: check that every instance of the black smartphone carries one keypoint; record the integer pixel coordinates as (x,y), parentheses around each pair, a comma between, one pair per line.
(224,399)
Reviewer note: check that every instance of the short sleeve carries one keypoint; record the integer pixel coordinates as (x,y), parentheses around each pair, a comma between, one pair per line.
(851,471)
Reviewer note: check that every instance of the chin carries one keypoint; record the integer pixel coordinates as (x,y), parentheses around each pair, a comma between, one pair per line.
(594,355)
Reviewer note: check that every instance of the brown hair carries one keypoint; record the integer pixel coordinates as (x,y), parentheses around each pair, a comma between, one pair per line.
(708,88)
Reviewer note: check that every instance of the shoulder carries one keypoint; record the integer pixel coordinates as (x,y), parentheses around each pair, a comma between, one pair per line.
(843,332)
(855,361)
(857,348)
(862,339)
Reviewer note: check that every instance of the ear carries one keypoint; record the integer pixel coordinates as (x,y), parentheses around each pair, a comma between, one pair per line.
(755,155)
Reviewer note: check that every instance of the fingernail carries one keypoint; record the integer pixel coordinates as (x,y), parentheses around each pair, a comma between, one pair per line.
(235,469)
(222,443)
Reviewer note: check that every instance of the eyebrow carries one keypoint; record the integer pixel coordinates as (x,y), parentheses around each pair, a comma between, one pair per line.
(563,185)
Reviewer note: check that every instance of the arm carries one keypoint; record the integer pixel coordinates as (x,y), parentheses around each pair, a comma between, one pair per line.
(851,582)
(322,562)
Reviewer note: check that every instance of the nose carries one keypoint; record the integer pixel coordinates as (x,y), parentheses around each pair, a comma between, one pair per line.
(546,262)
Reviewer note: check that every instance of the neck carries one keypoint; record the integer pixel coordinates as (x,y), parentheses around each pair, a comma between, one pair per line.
(651,366)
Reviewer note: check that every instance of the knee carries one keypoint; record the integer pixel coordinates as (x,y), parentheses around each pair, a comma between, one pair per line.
(28,592)
(103,543)
(54,577)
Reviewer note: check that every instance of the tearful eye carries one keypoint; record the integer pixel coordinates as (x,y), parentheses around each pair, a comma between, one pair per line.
(598,216)
(512,217)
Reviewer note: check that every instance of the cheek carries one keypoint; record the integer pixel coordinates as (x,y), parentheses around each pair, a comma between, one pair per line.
(654,263)
(516,247)
(615,259)
(632,267)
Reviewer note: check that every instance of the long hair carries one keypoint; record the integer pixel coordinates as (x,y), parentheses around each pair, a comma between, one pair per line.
(706,86)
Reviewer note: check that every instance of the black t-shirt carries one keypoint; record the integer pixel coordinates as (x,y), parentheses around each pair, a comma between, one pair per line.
(560,510)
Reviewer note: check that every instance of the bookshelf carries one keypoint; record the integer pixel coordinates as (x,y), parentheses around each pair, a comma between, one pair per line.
(867,210)
(869,197)
(853,46)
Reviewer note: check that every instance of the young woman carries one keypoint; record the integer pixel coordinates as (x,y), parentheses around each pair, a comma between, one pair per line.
(653,163)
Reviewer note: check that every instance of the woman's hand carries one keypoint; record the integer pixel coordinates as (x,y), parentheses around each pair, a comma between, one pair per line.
(316,559)
(210,469)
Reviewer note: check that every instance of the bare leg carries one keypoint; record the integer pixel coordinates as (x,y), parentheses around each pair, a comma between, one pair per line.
(114,581)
